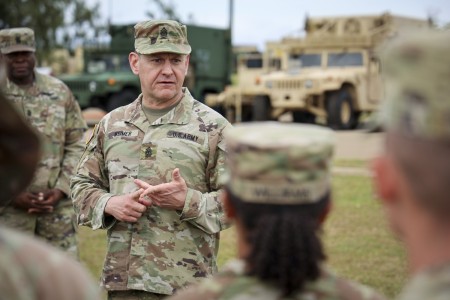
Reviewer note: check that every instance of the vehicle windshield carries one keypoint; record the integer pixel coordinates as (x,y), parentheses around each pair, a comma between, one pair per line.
(254,63)
(349,59)
(107,63)
(309,60)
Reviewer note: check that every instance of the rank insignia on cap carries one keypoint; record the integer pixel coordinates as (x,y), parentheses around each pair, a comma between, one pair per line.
(163,33)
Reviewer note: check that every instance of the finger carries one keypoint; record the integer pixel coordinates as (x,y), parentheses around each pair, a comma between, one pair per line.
(142,184)
(145,201)
(134,214)
(176,176)
(135,195)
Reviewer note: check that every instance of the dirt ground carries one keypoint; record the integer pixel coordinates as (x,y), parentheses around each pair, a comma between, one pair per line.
(357,144)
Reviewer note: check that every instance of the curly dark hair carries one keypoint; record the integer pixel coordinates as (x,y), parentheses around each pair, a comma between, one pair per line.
(285,248)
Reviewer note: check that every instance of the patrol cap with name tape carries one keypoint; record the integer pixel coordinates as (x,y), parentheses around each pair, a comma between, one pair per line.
(279,163)
(416,75)
(157,36)
(17,40)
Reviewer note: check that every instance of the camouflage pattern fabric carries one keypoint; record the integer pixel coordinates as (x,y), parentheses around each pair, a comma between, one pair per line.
(231,283)
(17,39)
(165,249)
(134,295)
(416,75)
(30,269)
(161,36)
(279,163)
(429,284)
(50,108)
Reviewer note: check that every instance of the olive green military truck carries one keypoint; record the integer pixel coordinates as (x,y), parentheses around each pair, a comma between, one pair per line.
(107,81)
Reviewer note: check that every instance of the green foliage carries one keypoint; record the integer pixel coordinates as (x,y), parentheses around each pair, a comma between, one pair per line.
(166,9)
(71,18)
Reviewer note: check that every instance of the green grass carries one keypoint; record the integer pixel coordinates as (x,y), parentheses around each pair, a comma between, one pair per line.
(356,238)
(351,163)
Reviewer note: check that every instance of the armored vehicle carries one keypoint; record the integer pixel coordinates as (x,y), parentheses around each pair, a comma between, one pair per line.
(334,73)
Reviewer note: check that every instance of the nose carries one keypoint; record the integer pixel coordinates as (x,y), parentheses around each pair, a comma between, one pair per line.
(167,68)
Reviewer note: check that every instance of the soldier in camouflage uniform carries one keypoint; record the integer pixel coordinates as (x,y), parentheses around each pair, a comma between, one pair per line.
(278,193)
(30,269)
(170,144)
(44,209)
(412,175)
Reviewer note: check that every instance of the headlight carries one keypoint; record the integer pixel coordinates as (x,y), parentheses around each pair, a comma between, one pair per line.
(268,84)
(92,86)
(308,84)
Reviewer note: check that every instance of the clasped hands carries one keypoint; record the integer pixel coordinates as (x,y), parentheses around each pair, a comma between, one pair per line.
(38,203)
(130,207)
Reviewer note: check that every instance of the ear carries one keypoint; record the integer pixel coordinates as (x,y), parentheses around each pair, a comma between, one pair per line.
(133,58)
(230,211)
(385,179)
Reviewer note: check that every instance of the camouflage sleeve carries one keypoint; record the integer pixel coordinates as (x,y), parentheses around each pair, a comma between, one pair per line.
(90,185)
(73,144)
(205,210)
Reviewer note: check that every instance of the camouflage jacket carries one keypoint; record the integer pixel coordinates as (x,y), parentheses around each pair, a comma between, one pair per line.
(165,249)
(51,109)
(232,284)
(433,283)
(30,269)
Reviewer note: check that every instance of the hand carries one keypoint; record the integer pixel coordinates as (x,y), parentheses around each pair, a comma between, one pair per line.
(31,202)
(127,208)
(170,195)
(47,200)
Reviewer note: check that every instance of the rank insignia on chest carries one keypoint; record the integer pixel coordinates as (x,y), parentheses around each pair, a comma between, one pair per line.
(148,151)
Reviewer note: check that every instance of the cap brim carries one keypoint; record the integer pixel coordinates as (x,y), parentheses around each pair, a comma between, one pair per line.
(17,48)
(143,46)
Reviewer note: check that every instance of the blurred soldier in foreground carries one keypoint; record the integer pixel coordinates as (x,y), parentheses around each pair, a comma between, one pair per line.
(170,144)
(30,269)
(279,194)
(44,208)
(412,177)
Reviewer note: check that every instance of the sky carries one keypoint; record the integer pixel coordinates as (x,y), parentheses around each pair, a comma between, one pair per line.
(257,21)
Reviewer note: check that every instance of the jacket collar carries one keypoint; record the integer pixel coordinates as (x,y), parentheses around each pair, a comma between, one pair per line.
(179,115)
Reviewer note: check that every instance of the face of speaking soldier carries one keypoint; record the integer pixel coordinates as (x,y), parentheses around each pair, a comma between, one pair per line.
(161,75)
(20,66)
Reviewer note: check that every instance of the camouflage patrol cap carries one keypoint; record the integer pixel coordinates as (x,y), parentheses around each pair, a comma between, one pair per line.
(416,70)
(161,36)
(279,163)
(17,39)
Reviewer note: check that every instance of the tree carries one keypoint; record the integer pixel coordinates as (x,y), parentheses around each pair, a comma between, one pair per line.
(55,22)
(167,11)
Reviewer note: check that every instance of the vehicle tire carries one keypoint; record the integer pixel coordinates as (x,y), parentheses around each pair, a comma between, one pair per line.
(341,112)
(303,117)
(121,98)
(261,108)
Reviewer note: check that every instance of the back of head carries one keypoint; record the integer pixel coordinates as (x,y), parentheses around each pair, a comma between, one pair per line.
(17,40)
(19,152)
(279,184)
(416,70)
(158,36)
(416,113)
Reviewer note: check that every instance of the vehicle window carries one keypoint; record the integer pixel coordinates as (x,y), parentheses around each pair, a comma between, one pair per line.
(254,63)
(305,60)
(347,59)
